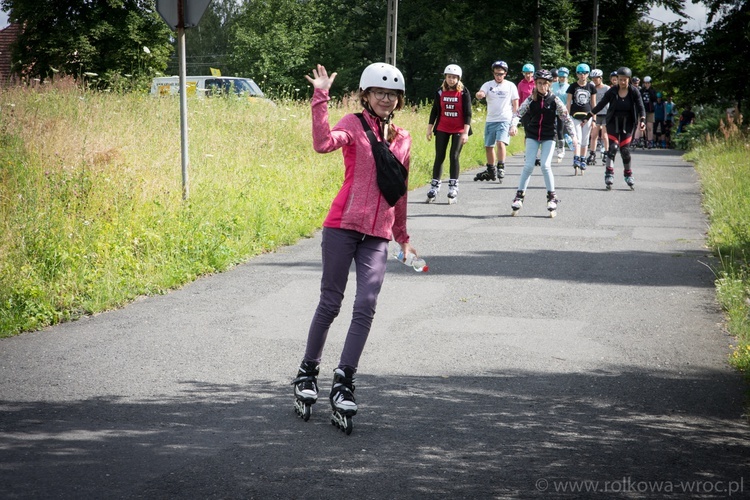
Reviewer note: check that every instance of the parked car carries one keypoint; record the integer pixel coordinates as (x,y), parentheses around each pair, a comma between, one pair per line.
(206,86)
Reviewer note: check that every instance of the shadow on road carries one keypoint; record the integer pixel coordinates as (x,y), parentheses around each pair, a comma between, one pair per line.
(494,436)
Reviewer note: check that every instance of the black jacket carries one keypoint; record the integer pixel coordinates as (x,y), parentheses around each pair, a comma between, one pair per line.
(611,95)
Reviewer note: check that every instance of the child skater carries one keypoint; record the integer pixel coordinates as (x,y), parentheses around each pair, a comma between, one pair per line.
(359,225)
(450,119)
(542,108)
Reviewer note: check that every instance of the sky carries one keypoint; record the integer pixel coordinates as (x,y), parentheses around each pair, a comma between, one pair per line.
(696,12)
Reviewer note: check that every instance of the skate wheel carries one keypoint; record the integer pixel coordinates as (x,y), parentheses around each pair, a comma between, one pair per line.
(349,426)
(452,201)
(632,188)
(609,187)
(306,413)
(552,214)
(514,213)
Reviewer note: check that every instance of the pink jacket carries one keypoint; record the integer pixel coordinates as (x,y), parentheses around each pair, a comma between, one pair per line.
(359,205)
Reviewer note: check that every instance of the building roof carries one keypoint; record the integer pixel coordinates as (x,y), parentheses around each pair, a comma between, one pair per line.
(8,36)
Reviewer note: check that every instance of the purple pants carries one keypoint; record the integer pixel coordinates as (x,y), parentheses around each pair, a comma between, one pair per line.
(370,254)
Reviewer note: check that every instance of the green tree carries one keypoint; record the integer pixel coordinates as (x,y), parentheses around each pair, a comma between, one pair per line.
(207,45)
(714,72)
(106,37)
(271,42)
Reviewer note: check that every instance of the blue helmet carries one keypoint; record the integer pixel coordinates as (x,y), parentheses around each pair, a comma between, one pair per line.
(563,71)
(527,68)
(583,68)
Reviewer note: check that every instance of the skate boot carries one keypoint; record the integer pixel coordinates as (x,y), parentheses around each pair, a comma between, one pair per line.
(500,171)
(560,150)
(452,191)
(629,179)
(488,175)
(591,160)
(434,190)
(538,162)
(581,164)
(306,389)
(517,202)
(342,399)
(609,178)
(552,203)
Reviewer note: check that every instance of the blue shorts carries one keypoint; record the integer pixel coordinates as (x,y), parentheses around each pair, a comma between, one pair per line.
(496,132)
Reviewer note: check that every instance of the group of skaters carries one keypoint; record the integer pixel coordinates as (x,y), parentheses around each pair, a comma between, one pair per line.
(366,213)
(584,114)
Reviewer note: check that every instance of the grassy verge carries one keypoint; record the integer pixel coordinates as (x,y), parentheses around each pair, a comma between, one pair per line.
(91,213)
(722,164)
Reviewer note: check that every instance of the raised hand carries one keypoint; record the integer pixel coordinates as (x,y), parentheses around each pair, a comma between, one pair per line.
(321,79)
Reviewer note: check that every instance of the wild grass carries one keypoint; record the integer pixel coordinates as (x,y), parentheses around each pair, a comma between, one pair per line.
(721,161)
(91,208)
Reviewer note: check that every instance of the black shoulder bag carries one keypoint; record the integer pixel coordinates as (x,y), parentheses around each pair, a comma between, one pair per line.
(392,174)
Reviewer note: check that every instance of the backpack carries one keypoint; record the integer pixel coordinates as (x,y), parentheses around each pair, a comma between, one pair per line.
(392,175)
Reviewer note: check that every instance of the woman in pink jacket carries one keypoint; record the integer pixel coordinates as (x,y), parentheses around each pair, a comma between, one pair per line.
(358,228)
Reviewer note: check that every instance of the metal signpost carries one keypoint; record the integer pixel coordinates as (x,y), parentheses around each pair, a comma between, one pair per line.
(179,15)
(390,32)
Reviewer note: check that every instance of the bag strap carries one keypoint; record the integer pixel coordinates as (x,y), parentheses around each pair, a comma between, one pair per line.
(370,134)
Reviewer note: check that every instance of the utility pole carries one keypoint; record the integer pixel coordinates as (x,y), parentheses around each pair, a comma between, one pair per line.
(538,36)
(596,33)
(390,32)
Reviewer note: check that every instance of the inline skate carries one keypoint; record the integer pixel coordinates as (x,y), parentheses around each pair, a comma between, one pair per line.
(538,162)
(434,190)
(500,171)
(560,150)
(552,202)
(609,178)
(517,203)
(629,179)
(306,389)
(487,175)
(591,160)
(579,163)
(342,399)
(609,172)
(452,191)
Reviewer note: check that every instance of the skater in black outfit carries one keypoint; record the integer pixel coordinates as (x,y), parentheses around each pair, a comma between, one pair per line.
(450,120)
(625,113)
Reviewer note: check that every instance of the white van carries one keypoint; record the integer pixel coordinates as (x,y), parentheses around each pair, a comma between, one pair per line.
(205,86)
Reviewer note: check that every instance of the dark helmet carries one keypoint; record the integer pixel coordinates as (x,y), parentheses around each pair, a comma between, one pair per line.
(543,74)
(553,72)
(500,64)
(624,71)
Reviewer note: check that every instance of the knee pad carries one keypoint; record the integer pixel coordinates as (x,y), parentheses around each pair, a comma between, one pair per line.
(625,154)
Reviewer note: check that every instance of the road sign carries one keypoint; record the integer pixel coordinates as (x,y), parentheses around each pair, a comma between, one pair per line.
(193,11)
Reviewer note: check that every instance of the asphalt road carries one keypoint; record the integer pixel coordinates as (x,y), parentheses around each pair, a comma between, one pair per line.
(537,357)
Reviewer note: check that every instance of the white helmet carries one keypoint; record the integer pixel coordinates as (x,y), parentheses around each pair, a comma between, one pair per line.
(382,75)
(453,69)
(647,79)
(596,73)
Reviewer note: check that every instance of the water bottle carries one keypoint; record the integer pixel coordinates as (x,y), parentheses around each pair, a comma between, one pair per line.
(569,142)
(419,265)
